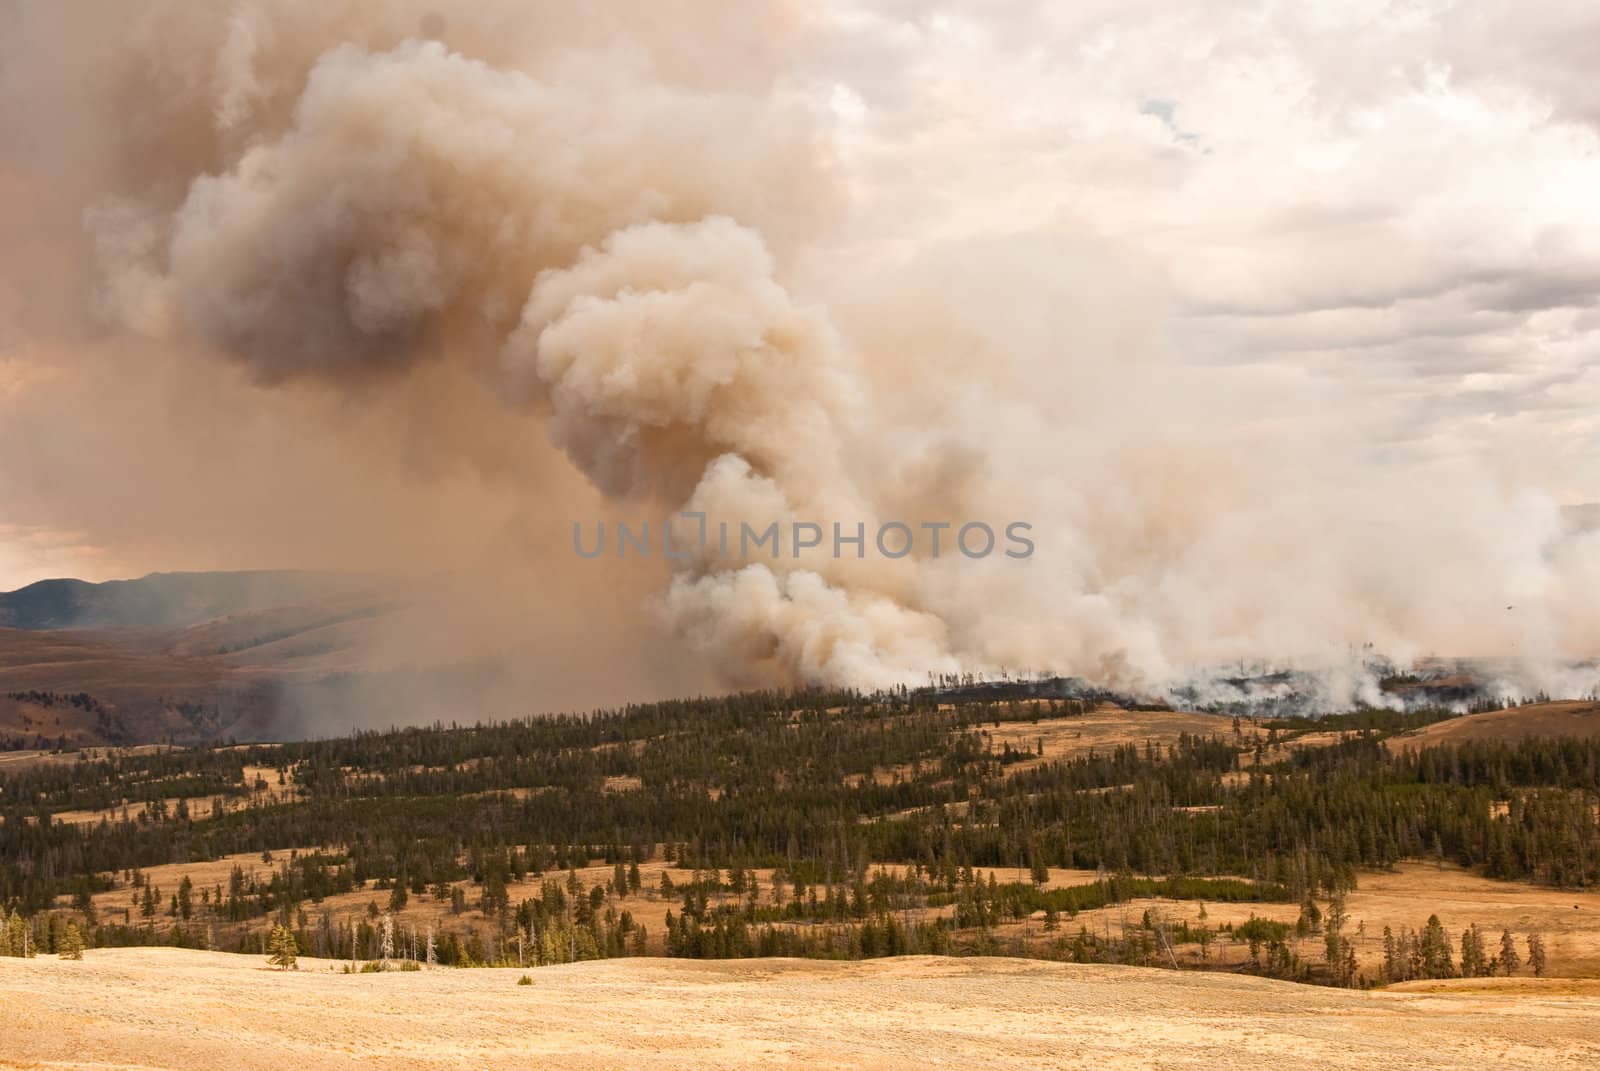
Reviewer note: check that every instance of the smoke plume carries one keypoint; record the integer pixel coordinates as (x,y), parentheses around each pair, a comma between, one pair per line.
(530,264)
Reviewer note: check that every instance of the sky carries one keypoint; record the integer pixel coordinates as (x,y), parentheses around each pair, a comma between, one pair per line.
(1299,231)
(1396,197)
(1399,198)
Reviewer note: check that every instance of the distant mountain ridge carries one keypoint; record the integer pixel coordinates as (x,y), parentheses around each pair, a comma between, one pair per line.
(163,600)
(184,657)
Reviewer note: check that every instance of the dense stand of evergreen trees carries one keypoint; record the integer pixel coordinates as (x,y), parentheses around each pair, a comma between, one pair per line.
(825,787)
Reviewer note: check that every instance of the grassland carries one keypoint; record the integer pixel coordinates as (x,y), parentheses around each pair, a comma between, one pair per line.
(188,1010)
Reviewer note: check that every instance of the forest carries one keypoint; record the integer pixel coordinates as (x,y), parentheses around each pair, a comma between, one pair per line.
(813,823)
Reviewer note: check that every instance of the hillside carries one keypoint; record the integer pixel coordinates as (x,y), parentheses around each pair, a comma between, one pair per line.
(355,651)
(829,826)
(177,657)
(82,688)
(1576,718)
(161,600)
(190,1010)
(240,676)
(183,657)
(188,658)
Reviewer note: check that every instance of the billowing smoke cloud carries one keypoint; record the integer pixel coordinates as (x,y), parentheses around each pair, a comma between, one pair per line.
(630,232)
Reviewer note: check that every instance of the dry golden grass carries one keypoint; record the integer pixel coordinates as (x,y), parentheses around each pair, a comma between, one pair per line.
(421,910)
(1569,920)
(166,1008)
(647,906)
(199,807)
(12,761)
(1101,729)
(1406,896)
(1565,718)
(111,905)
(259,784)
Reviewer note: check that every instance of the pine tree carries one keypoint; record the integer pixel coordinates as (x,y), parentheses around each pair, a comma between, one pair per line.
(1392,968)
(70,945)
(1333,937)
(1536,958)
(1509,960)
(17,941)
(1473,963)
(1435,949)
(282,948)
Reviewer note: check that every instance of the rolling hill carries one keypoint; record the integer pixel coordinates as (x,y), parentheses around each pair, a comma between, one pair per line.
(162,600)
(1577,718)
(187,658)
(178,657)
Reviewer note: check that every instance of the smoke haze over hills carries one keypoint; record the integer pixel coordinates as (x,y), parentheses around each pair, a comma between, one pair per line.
(167,600)
(336,285)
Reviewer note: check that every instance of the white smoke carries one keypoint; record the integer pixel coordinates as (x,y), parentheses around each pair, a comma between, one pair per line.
(656,261)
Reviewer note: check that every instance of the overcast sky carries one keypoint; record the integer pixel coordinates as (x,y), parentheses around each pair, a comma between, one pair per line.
(1402,197)
(1397,199)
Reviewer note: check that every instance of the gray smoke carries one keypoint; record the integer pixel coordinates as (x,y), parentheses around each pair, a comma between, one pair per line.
(629,235)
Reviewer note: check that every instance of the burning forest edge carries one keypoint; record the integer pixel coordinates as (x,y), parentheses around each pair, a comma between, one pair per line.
(1458,686)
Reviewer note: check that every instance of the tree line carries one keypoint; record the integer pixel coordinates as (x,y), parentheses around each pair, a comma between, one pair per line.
(820,787)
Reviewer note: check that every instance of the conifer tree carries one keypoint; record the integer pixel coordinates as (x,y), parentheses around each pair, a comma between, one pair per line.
(1473,963)
(281,948)
(1333,937)
(70,944)
(1392,968)
(1509,960)
(1435,949)
(18,937)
